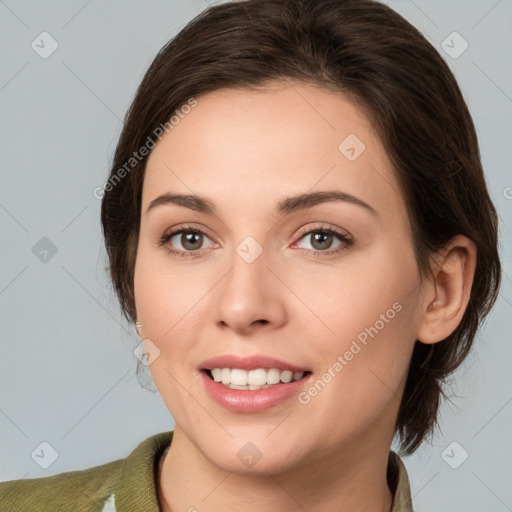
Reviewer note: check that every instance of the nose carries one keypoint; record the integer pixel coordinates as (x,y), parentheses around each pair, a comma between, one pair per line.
(250,297)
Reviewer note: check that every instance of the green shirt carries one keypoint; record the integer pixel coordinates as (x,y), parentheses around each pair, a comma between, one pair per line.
(128,485)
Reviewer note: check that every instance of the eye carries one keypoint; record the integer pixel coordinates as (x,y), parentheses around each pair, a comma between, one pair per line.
(184,241)
(189,241)
(324,241)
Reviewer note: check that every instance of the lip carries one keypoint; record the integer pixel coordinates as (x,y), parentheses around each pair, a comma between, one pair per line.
(249,363)
(252,401)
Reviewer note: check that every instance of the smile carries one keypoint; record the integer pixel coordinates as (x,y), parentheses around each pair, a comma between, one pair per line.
(259,378)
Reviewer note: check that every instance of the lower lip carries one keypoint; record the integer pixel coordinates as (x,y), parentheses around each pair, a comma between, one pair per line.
(256,400)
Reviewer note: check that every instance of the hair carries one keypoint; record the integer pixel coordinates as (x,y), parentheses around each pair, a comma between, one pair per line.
(368,52)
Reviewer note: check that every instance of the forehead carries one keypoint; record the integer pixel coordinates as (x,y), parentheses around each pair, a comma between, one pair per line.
(249,148)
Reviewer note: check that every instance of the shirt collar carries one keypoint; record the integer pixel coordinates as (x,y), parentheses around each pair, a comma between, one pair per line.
(399,484)
(137,488)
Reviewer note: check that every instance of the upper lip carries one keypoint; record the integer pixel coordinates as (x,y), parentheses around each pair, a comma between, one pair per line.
(249,363)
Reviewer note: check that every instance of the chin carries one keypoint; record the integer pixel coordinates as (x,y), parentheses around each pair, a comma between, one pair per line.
(247,454)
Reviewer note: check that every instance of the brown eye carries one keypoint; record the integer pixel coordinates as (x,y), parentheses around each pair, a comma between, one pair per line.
(324,242)
(191,240)
(321,240)
(185,241)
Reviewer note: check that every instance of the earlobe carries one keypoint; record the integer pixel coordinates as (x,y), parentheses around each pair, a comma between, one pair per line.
(138,326)
(453,271)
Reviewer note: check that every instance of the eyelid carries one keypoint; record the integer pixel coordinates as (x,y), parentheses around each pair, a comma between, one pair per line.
(324,226)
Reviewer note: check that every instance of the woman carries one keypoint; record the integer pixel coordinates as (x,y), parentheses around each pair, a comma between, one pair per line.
(298,223)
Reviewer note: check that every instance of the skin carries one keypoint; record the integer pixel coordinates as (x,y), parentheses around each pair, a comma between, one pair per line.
(245,151)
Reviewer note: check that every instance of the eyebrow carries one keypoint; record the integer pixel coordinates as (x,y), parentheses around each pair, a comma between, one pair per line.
(284,207)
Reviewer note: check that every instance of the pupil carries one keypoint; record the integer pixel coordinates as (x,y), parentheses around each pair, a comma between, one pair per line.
(188,240)
(324,239)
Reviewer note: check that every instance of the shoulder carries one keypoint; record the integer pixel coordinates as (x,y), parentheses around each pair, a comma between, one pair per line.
(73,490)
(122,480)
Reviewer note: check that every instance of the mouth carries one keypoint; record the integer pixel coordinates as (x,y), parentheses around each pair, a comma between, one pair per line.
(253,383)
(255,379)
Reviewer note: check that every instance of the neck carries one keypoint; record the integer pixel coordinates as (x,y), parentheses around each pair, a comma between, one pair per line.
(190,482)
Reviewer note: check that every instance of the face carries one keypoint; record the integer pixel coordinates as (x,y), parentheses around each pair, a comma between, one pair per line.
(294,259)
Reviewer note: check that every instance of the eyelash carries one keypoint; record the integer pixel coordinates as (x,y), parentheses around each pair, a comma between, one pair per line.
(346,241)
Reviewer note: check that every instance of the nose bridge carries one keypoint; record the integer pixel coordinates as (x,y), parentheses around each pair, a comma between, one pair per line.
(246,295)
(245,283)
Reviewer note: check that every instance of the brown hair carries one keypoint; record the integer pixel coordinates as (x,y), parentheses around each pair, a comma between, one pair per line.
(363,49)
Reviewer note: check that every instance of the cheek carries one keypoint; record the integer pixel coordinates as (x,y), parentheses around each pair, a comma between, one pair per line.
(361,377)
(169,307)
(365,363)
(165,300)
(363,291)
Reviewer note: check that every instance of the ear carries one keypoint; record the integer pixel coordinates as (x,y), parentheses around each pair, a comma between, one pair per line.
(448,295)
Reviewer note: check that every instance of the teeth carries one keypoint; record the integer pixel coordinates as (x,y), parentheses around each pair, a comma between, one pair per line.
(236,378)
(273,376)
(256,377)
(286,376)
(225,376)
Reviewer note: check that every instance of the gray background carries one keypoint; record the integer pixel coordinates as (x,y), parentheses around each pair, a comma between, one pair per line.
(67,368)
